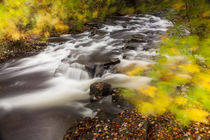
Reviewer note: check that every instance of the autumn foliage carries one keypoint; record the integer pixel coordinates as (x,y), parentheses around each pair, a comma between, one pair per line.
(23,18)
(181,76)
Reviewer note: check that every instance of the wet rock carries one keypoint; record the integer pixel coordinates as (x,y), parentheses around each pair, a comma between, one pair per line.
(40,44)
(119,100)
(113,61)
(83,44)
(135,39)
(99,70)
(152,34)
(95,70)
(93,25)
(121,34)
(99,90)
(131,46)
(124,25)
(93,32)
(147,47)
(152,20)
(90,69)
(58,39)
(160,13)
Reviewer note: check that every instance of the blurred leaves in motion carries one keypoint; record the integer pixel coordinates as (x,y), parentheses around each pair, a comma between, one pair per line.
(181,76)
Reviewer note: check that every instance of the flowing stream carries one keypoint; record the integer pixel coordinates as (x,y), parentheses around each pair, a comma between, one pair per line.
(41,95)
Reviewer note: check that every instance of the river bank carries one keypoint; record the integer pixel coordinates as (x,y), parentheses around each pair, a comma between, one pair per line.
(130,124)
(24,48)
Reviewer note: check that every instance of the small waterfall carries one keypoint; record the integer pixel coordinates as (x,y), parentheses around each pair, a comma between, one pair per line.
(77,74)
(73,71)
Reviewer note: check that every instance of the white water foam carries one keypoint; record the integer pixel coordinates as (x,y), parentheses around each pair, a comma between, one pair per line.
(70,81)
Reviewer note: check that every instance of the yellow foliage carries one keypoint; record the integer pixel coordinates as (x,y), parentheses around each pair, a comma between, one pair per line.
(46,34)
(162,101)
(206,14)
(181,77)
(20,18)
(157,105)
(135,71)
(61,27)
(16,35)
(178,5)
(196,115)
(146,108)
(95,14)
(192,68)
(175,51)
(203,80)
(164,39)
(194,48)
(180,100)
(148,90)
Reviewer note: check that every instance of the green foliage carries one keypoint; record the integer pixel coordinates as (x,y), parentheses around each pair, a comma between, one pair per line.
(181,81)
(181,76)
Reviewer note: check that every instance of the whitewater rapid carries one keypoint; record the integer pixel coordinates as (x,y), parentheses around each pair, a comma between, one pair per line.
(42,95)
(65,63)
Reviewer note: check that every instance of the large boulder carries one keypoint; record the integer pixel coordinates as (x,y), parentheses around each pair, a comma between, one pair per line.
(99,90)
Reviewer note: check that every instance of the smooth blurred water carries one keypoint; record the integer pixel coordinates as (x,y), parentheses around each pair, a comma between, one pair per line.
(40,96)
